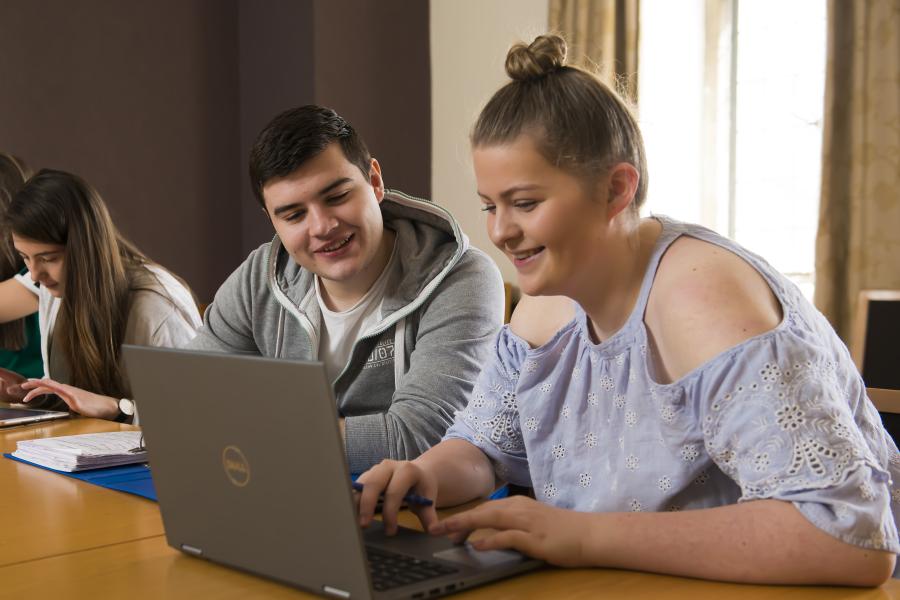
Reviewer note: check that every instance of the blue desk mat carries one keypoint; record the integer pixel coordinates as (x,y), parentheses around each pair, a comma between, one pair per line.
(136,479)
(133,479)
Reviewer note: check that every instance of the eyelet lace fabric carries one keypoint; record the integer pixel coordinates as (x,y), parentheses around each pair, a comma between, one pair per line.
(783,415)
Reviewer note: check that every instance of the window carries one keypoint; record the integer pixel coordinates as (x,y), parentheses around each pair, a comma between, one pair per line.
(731,101)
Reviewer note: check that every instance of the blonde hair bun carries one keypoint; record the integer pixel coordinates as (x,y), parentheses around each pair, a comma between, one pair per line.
(528,62)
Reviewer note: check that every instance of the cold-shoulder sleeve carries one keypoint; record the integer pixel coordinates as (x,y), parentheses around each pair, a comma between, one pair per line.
(787,418)
(490,421)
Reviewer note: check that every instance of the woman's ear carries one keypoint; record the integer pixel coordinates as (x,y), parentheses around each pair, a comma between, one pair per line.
(622,183)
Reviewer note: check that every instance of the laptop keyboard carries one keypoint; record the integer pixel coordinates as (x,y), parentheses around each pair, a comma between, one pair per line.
(390,570)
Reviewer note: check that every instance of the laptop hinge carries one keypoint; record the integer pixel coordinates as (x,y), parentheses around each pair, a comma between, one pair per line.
(191,550)
(331,591)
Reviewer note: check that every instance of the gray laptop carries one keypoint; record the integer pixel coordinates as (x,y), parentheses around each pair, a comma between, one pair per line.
(11,416)
(250,472)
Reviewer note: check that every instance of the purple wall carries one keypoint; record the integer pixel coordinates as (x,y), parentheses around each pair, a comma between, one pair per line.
(380,82)
(157,104)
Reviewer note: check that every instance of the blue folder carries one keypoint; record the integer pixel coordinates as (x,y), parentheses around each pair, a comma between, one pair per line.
(133,479)
(136,479)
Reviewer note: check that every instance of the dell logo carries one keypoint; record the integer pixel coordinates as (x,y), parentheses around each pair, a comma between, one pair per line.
(236,466)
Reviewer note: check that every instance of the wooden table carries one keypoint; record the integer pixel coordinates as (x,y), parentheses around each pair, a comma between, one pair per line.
(65,538)
(46,514)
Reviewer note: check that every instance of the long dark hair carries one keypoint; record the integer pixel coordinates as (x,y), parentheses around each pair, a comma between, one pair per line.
(102,268)
(13,174)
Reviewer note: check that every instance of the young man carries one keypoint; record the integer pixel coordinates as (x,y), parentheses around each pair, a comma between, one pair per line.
(381,287)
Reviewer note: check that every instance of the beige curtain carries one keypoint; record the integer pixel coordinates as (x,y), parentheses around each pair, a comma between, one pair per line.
(602,36)
(858,244)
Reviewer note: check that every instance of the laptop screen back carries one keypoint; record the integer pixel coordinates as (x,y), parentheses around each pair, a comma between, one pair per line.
(249,466)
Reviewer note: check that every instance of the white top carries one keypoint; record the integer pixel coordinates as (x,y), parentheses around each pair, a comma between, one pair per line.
(154,320)
(341,330)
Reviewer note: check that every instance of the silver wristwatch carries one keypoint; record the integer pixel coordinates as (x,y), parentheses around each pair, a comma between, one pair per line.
(126,410)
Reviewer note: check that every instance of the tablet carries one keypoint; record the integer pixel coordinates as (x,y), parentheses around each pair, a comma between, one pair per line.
(10,417)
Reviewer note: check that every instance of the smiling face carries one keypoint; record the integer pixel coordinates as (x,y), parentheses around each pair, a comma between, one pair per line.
(328,217)
(45,262)
(543,218)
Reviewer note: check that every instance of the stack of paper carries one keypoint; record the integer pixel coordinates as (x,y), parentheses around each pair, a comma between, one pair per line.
(82,452)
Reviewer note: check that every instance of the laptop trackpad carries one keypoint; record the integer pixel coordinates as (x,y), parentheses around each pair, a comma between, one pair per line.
(467,555)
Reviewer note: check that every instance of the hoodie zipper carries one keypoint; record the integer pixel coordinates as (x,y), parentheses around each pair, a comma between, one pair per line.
(426,292)
(285,302)
(436,281)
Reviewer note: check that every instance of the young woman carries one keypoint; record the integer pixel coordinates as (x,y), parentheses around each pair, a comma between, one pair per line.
(675,403)
(95,291)
(20,342)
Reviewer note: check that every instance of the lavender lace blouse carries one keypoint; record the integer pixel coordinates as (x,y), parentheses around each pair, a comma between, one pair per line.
(782,415)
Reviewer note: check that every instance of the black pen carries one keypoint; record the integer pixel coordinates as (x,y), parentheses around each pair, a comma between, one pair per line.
(409,498)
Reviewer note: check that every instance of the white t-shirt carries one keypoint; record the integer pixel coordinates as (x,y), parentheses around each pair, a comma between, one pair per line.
(152,321)
(341,330)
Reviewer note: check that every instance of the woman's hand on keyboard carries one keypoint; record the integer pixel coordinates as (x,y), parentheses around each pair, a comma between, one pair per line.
(395,479)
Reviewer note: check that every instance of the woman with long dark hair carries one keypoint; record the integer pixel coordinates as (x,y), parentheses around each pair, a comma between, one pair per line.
(95,292)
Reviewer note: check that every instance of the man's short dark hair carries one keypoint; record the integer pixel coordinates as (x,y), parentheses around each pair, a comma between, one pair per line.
(297,135)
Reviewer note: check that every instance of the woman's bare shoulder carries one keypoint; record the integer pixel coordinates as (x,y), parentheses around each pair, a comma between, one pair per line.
(536,319)
(705,300)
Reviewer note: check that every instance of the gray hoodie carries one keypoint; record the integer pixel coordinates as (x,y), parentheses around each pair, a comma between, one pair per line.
(406,376)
